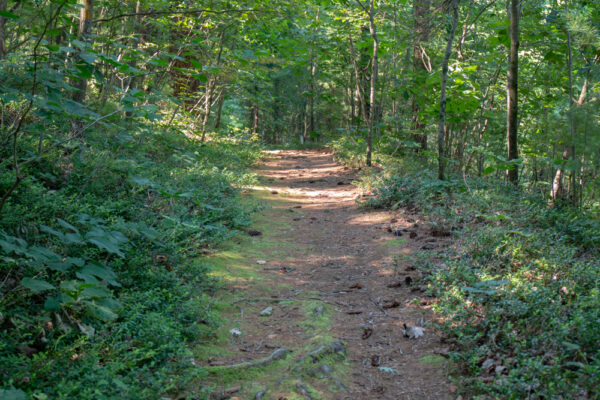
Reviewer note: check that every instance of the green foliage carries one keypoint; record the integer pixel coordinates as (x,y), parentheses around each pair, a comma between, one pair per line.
(349,150)
(101,293)
(519,287)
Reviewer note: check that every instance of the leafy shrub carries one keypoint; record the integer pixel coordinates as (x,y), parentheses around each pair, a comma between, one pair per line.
(101,296)
(519,287)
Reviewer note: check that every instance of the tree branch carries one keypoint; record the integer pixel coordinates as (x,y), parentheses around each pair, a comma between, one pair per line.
(177,12)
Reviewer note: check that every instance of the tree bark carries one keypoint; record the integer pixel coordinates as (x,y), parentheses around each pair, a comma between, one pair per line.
(85,28)
(374,72)
(313,72)
(512,90)
(422,29)
(210,87)
(442,122)
(136,81)
(3,49)
(557,191)
(220,109)
(361,103)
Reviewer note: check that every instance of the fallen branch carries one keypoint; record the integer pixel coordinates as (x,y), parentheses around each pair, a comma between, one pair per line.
(277,355)
(336,347)
(303,390)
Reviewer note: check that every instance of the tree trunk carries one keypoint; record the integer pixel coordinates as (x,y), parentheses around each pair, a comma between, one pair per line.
(313,72)
(85,28)
(374,72)
(3,50)
(361,109)
(210,87)
(442,123)
(220,109)
(573,195)
(512,92)
(136,81)
(557,191)
(422,28)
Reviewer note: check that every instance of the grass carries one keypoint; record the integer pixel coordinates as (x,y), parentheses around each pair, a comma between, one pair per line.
(393,243)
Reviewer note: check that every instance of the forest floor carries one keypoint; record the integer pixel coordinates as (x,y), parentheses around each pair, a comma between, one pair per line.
(326,271)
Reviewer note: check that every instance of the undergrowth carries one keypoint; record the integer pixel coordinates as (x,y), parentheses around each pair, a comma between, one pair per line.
(102,295)
(519,289)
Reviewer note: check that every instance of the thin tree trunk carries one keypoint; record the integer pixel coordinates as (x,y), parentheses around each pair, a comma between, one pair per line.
(557,191)
(442,122)
(313,72)
(220,108)
(135,81)
(361,102)
(210,87)
(512,92)
(374,72)
(85,28)
(422,28)
(3,49)
(573,187)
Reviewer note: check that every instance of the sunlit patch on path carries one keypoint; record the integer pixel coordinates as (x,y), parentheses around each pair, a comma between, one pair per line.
(331,271)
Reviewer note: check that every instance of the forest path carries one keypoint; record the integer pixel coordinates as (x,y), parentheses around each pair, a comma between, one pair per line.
(340,276)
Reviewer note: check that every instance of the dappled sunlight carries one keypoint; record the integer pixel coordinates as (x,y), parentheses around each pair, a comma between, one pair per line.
(318,254)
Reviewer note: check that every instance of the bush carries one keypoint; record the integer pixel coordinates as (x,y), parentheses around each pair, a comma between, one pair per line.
(101,295)
(519,287)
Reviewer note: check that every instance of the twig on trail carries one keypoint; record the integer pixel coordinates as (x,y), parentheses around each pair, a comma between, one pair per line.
(261,393)
(279,300)
(346,338)
(277,355)
(303,390)
(332,348)
(380,307)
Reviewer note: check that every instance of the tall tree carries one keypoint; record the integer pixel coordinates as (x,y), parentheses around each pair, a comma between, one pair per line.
(370,11)
(512,91)
(442,123)
(421,66)
(85,28)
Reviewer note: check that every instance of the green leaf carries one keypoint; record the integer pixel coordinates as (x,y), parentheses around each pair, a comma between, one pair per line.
(12,244)
(36,285)
(9,15)
(105,244)
(138,180)
(88,58)
(73,238)
(51,231)
(52,304)
(66,225)
(100,271)
(85,71)
(64,266)
(489,170)
(12,394)
(87,330)
(93,291)
(42,254)
(104,309)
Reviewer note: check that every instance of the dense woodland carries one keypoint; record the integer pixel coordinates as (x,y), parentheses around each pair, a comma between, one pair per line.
(127,129)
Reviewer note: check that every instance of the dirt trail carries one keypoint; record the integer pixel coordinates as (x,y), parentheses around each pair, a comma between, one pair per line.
(346,258)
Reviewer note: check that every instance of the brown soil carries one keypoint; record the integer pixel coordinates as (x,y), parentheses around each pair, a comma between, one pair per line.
(346,257)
